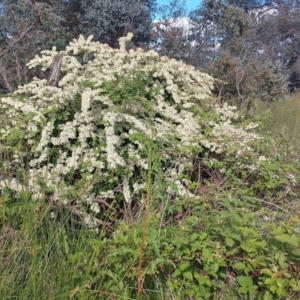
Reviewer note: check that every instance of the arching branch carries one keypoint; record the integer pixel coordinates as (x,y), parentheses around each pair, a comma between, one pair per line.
(13,42)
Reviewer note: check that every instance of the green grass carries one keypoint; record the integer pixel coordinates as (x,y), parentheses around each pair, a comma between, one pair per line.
(33,256)
(43,259)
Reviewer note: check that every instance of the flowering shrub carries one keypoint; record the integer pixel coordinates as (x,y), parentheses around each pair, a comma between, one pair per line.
(90,137)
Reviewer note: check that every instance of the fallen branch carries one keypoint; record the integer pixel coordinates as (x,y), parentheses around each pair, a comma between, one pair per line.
(81,214)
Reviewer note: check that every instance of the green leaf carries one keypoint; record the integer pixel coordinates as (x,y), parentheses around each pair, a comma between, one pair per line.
(229,241)
(289,239)
(45,111)
(297,230)
(244,281)
(205,253)
(247,248)
(203,236)
(252,289)
(268,296)
(176,273)
(214,268)
(295,287)
(235,236)
(269,281)
(243,290)
(239,266)
(237,220)
(188,276)
(281,261)
(184,265)
(28,117)
(15,134)
(189,292)
(202,279)
(194,237)
(294,240)
(267,272)
(222,262)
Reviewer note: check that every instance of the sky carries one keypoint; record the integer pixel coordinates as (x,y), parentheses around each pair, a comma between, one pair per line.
(190,4)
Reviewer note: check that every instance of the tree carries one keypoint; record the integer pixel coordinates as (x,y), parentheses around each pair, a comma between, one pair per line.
(109,20)
(278,35)
(253,46)
(26,27)
(171,32)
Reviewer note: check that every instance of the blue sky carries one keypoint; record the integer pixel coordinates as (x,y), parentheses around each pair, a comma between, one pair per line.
(190,4)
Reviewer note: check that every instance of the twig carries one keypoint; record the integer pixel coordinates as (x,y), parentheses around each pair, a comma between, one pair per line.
(266,202)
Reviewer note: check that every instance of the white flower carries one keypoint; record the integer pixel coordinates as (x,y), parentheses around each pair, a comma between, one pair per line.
(95,207)
(292,178)
(262,158)
(126,190)
(86,134)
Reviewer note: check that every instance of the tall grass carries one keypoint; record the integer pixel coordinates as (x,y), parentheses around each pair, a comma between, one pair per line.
(285,120)
(42,258)
(34,256)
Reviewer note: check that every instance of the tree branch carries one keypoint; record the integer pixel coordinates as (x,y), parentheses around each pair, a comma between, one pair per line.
(55,70)
(23,34)
(80,213)
(266,202)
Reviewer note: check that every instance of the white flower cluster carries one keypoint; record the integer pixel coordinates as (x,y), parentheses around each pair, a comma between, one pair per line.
(76,127)
(225,135)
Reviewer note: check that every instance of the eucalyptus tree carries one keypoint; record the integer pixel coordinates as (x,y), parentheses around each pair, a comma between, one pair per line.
(253,46)
(279,36)
(108,20)
(171,31)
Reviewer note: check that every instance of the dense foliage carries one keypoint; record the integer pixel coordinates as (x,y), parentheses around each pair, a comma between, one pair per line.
(109,20)
(252,46)
(27,27)
(128,136)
